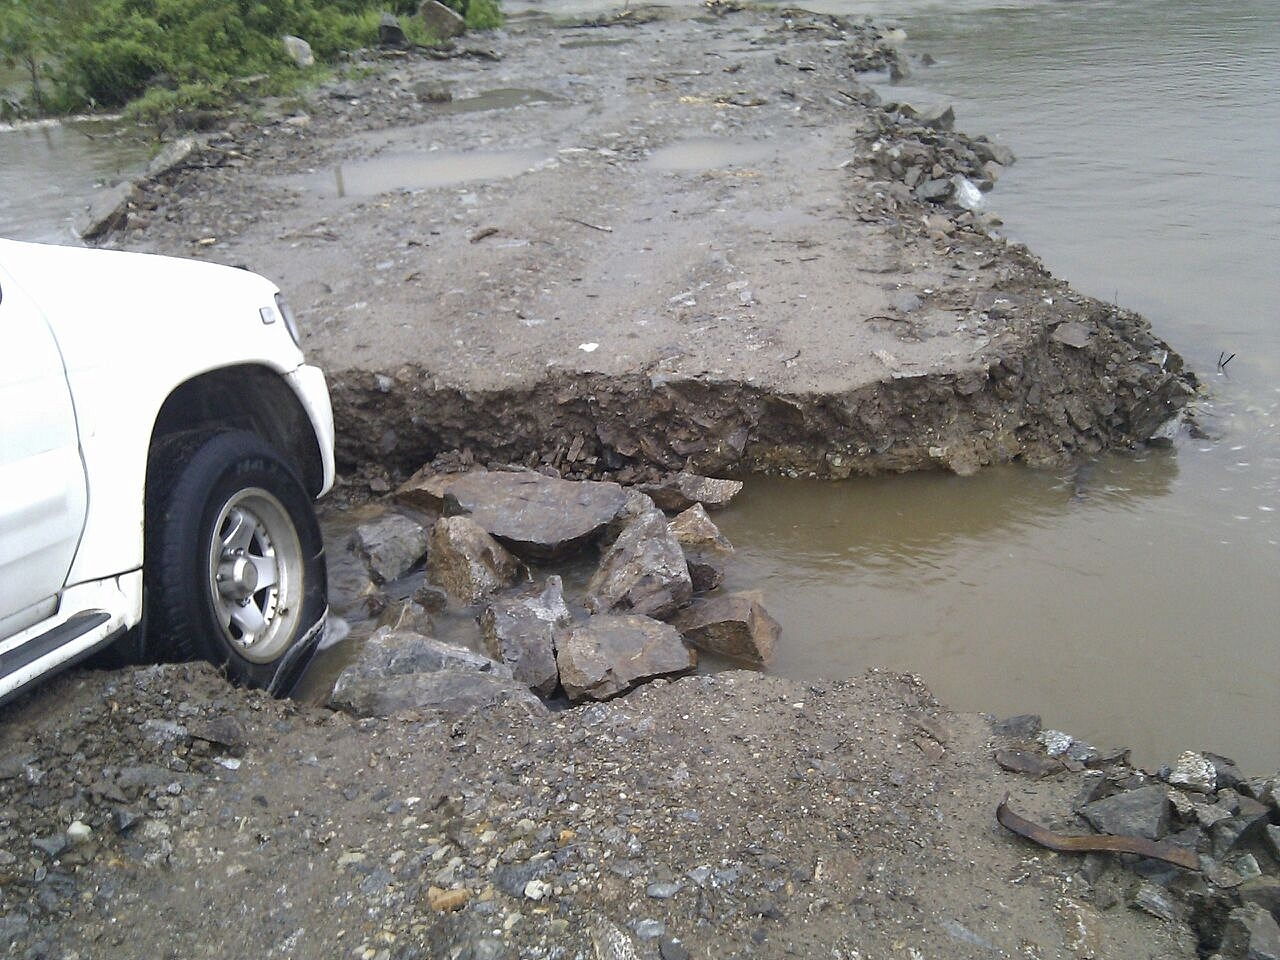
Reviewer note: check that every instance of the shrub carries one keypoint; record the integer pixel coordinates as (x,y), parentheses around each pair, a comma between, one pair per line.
(184,52)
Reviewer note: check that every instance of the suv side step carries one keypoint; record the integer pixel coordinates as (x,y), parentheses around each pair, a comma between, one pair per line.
(74,639)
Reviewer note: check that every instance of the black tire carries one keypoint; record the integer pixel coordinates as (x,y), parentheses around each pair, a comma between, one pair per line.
(224,514)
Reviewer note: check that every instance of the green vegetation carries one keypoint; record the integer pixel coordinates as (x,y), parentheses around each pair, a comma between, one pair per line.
(169,56)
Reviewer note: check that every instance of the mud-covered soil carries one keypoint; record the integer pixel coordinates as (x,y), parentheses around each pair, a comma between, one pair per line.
(733,815)
(667,240)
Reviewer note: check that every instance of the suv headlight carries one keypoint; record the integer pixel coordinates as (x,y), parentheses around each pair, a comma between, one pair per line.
(283,311)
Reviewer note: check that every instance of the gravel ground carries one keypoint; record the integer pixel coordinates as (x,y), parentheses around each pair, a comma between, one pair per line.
(159,812)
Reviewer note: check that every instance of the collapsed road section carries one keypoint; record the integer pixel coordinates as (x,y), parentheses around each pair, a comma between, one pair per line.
(670,240)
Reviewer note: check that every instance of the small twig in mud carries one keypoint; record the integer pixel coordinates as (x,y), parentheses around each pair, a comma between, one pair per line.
(482,234)
(593,226)
(794,356)
(1223,360)
(881,316)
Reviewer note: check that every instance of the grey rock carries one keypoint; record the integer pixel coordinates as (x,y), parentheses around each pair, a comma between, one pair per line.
(680,491)
(407,616)
(1156,901)
(706,549)
(107,212)
(1135,813)
(225,731)
(934,189)
(1025,726)
(467,561)
(1249,822)
(1072,334)
(432,599)
(989,152)
(433,91)
(693,529)
(1026,761)
(52,846)
(1264,891)
(521,633)
(426,489)
(441,22)
(174,154)
(536,517)
(125,819)
(512,878)
(389,653)
(734,625)
(671,949)
(905,301)
(1272,834)
(390,545)
(391,34)
(662,890)
(649,928)
(1226,773)
(448,692)
(1251,933)
(299,51)
(610,653)
(644,571)
(940,117)
(1093,786)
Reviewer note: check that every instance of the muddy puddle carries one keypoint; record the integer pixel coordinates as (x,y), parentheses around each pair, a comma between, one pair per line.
(502,98)
(421,171)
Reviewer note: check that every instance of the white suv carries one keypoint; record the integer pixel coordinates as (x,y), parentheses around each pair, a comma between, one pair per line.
(161,441)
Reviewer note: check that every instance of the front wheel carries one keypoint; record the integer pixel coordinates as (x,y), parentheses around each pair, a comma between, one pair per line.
(234,567)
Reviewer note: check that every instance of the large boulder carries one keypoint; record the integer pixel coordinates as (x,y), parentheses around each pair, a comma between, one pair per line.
(520,632)
(454,694)
(680,491)
(390,34)
(426,489)
(441,22)
(467,562)
(536,517)
(390,653)
(735,625)
(299,51)
(1135,813)
(705,548)
(644,571)
(407,671)
(608,654)
(391,545)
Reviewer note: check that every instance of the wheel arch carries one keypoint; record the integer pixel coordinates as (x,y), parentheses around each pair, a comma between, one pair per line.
(248,397)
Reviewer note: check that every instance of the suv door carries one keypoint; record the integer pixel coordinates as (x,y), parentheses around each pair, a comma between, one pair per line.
(43,494)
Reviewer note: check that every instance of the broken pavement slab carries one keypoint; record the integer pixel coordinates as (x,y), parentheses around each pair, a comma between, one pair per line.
(737,307)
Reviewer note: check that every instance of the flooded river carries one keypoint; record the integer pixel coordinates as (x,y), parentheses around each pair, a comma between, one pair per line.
(1135,599)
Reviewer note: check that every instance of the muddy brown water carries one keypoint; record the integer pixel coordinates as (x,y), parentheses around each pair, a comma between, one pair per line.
(1134,599)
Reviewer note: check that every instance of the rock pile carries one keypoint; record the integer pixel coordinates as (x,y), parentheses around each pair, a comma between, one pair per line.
(498,545)
(1203,805)
(921,150)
